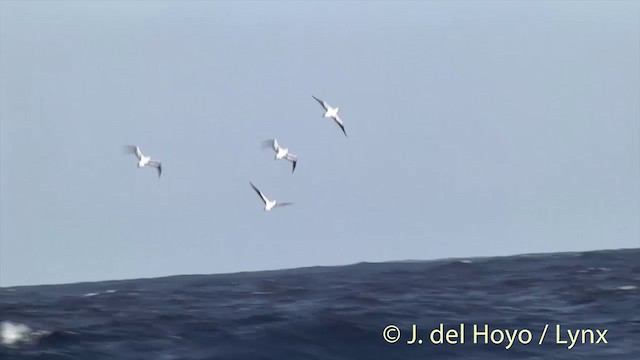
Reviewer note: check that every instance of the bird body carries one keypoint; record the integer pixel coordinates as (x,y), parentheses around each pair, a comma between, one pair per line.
(144,160)
(282,153)
(331,113)
(268,204)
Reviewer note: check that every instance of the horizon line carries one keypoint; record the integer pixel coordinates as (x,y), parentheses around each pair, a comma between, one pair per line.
(324,266)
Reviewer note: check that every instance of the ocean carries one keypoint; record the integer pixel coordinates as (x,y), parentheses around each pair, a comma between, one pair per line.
(586,304)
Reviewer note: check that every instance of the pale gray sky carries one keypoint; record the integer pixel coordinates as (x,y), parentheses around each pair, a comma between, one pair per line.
(476,128)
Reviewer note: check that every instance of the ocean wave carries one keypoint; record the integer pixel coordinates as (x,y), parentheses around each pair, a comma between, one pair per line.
(333,313)
(16,334)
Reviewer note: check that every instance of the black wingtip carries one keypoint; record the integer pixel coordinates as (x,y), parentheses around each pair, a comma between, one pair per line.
(344,131)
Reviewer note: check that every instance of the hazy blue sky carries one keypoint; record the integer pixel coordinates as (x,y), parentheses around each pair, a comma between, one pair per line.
(476,128)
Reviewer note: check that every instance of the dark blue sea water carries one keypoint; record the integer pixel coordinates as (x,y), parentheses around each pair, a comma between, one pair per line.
(341,312)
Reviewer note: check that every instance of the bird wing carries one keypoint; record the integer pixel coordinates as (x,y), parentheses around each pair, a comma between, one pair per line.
(339,122)
(267,144)
(156,164)
(271,144)
(322,102)
(264,198)
(134,149)
(294,160)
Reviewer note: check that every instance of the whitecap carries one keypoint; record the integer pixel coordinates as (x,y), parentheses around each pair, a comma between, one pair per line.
(90,294)
(13,333)
(627,287)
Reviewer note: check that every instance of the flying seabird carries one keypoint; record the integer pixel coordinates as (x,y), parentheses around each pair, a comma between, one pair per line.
(282,153)
(144,160)
(268,204)
(331,113)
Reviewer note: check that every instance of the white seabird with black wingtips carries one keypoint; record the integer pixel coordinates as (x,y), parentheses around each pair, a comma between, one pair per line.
(144,160)
(269,204)
(331,113)
(282,153)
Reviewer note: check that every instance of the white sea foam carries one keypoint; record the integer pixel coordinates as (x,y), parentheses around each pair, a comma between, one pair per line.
(13,333)
(91,294)
(598,269)
(627,287)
